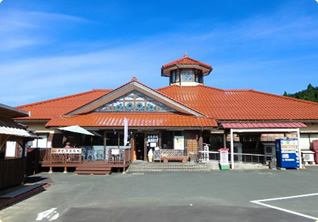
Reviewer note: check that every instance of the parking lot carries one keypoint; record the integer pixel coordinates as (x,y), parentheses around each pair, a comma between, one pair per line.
(261,195)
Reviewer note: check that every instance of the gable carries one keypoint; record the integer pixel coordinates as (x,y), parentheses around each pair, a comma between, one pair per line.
(134,101)
(157,99)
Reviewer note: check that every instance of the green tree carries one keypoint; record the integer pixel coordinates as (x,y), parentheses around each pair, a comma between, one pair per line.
(311,94)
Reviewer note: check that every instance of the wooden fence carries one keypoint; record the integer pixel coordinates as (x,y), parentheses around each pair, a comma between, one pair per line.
(12,172)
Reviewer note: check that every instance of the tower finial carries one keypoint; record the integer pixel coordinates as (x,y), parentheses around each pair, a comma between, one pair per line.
(186,55)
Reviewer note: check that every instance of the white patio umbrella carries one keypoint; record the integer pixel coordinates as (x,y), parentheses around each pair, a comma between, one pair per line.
(76,129)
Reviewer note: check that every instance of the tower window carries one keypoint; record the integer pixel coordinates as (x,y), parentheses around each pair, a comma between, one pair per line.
(187,75)
(175,76)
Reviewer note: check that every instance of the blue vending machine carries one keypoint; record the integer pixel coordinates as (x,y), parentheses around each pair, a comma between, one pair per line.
(287,153)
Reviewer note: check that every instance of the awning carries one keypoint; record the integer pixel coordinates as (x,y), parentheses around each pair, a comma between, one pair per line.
(76,129)
(263,125)
(9,127)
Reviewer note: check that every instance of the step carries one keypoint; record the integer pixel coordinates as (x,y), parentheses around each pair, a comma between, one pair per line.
(92,172)
(93,168)
(21,191)
(168,167)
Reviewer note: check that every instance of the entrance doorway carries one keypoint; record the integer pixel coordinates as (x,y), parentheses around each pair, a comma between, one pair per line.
(140,146)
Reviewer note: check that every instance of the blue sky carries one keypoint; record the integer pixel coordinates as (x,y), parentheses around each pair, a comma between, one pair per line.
(55,48)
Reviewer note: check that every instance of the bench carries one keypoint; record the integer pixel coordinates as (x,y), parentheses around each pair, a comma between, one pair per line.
(166,159)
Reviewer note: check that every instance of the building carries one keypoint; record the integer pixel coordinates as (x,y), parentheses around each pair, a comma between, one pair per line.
(13,138)
(179,118)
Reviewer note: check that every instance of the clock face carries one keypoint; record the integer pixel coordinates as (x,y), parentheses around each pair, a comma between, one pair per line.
(187,75)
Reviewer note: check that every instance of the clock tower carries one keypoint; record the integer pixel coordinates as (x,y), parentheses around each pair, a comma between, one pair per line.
(186,71)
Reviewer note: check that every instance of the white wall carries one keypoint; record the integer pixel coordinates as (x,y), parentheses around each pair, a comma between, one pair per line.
(306,140)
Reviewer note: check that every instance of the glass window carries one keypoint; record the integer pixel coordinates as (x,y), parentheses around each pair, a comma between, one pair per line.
(112,139)
(173,76)
(134,102)
(40,142)
(177,77)
(187,75)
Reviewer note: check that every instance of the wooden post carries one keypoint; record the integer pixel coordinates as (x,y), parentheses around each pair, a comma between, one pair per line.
(160,140)
(200,142)
(105,144)
(51,168)
(145,147)
(132,148)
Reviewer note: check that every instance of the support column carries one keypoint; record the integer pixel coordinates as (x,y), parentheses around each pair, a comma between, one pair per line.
(145,147)
(200,142)
(159,140)
(232,150)
(299,149)
(132,148)
(105,144)
(224,140)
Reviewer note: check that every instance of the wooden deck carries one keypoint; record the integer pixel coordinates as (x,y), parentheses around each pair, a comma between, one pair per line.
(120,160)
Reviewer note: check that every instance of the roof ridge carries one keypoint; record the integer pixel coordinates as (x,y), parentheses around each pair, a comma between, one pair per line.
(183,58)
(286,98)
(61,98)
(239,90)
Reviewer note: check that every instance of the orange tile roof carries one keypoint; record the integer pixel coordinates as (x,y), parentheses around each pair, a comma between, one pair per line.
(55,107)
(101,119)
(214,103)
(242,104)
(186,61)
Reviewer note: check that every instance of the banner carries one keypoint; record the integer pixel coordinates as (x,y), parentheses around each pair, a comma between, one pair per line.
(125,131)
(66,151)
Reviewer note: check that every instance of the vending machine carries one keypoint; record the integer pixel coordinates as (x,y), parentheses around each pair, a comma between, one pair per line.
(287,153)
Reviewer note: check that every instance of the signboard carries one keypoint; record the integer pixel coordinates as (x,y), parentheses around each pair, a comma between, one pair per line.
(157,155)
(179,142)
(224,158)
(66,151)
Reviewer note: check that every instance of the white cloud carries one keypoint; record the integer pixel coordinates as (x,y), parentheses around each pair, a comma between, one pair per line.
(20,29)
(238,53)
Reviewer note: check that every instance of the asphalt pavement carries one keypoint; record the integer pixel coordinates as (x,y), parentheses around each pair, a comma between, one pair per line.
(178,196)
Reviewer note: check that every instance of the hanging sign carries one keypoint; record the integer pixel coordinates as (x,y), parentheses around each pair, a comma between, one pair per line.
(66,151)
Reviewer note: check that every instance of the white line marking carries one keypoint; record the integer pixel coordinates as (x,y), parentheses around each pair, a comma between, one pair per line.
(285,210)
(50,214)
(289,197)
(259,202)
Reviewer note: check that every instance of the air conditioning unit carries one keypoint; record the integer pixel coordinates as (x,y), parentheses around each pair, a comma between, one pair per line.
(308,157)
(269,151)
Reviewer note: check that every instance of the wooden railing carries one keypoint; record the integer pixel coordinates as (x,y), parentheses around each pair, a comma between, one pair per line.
(61,156)
(12,172)
(119,156)
(115,156)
